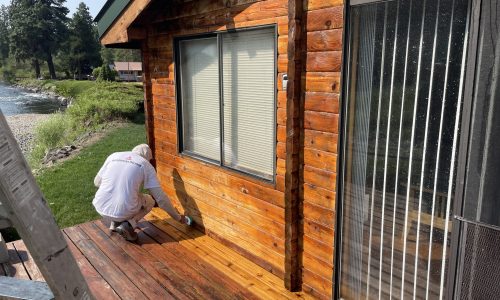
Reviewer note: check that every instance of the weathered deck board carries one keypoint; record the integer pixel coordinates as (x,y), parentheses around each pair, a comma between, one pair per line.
(15,267)
(126,264)
(99,287)
(122,285)
(28,262)
(170,261)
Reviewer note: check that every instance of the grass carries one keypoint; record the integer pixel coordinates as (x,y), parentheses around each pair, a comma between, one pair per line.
(69,187)
(94,105)
(75,88)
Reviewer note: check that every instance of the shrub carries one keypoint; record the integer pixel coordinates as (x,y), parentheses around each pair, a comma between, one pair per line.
(8,75)
(54,132)
(104,102)
(104,73)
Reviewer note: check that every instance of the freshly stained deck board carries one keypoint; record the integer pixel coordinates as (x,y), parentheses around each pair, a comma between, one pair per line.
(259,277)
(199,285)
(222,282)
(170,261)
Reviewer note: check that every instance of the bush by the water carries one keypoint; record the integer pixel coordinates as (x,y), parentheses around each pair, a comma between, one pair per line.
(105,102)
(96,104)
(52,133)
(7,75)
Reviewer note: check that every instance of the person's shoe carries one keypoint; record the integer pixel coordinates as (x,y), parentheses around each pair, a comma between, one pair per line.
(126,230)
(113,225)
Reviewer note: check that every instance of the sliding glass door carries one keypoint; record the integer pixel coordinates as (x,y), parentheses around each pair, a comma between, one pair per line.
(402,125)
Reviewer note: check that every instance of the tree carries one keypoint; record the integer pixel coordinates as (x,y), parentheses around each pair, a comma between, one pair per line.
(84,46)
(38,28)
(22,36)
(4,33)
(127,55)
(108,55)
(51,29)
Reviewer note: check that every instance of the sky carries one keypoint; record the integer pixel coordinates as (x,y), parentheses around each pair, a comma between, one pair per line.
(94,5)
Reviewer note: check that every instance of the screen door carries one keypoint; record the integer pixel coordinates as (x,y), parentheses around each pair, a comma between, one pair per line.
(402,113)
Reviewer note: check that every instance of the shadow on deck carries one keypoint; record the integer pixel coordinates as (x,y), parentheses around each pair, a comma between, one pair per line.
(170,261)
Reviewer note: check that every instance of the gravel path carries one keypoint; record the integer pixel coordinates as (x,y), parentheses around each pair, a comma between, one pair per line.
(23,126)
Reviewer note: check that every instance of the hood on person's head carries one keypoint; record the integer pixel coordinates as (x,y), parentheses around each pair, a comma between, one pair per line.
(144,151)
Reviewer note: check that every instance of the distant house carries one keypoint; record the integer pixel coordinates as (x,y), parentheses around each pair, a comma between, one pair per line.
(128,71)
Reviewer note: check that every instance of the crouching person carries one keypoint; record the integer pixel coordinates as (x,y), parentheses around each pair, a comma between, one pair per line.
(119,198)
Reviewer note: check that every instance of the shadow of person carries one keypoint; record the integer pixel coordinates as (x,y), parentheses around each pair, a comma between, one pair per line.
(9,268)
(187,202)
(159,227)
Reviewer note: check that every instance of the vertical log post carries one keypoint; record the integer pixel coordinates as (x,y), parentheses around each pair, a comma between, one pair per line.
(148,97)
(293,228)
(25,207)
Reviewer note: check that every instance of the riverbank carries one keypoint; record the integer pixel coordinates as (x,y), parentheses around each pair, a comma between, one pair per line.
(92,106)
(23,127)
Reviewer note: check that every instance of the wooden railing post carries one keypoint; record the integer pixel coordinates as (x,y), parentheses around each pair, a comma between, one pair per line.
(26,208)
(293,228)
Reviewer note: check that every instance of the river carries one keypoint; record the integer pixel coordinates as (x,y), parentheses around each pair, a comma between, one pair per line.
(14,101)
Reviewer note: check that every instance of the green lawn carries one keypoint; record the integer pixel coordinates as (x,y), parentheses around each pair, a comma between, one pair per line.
(69,187)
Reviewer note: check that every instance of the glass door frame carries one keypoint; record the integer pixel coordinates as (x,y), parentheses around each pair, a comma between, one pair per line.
(471,42)
(457,242)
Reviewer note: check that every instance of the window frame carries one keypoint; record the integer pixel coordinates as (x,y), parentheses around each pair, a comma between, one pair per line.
(179,101)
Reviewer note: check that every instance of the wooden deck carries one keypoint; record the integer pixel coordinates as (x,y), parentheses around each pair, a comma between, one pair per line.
(170,261)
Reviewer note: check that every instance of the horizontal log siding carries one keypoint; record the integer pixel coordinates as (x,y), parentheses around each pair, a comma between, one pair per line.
(242,212)
(321,81)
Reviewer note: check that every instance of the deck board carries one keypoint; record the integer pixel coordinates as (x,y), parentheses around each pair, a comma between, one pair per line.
(166,251)
(28,262)
(132,269)
(227,261)
(99,287)
(151,264)
(170,261)
(15,267)
(122,285)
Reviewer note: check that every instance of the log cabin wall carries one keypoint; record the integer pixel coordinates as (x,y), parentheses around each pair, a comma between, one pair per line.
(324,22)
(238,210)
(242,212)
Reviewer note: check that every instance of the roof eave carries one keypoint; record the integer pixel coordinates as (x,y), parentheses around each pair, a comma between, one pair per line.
(114,23)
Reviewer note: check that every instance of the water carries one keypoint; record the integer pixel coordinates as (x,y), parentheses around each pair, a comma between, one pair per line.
(15,101)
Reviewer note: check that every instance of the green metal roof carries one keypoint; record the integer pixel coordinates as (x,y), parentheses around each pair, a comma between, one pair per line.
(111,10)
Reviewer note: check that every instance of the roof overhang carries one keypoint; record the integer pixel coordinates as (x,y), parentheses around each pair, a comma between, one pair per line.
(114,23)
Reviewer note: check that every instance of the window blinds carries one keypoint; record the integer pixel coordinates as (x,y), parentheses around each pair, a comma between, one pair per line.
(248,99)
(199,65)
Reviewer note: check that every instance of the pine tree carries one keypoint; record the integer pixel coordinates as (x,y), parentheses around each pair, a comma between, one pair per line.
(51,29)
(37,30)
(108,55)
(22,36)
(84,47)
(4,34)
